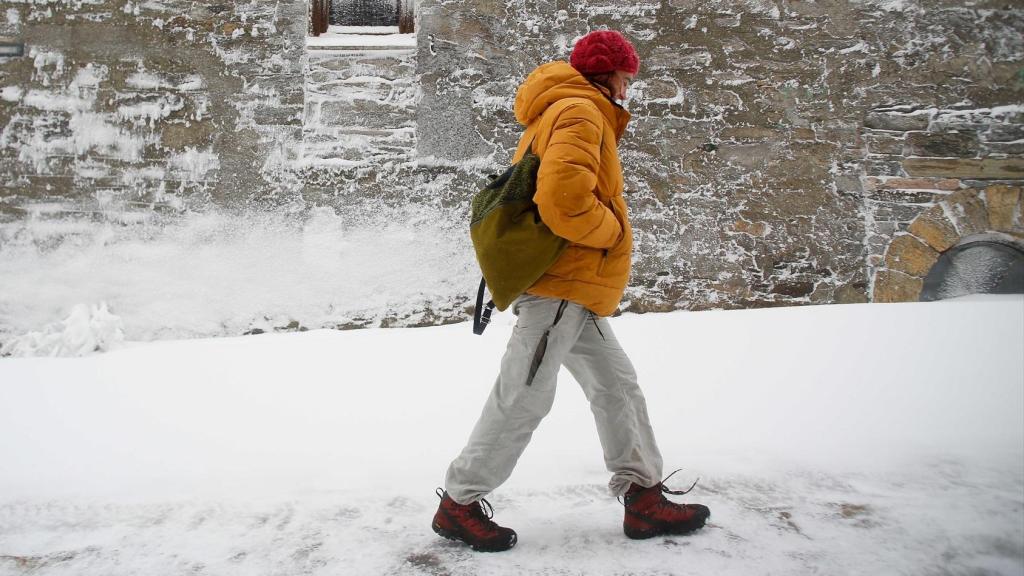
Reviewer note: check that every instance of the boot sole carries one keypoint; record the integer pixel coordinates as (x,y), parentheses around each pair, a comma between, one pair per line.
(475,547)
(636,534)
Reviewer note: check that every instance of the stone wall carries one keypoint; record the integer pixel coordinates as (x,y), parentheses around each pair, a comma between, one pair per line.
(777,148)
(122,109)
(937,176)
(996,210)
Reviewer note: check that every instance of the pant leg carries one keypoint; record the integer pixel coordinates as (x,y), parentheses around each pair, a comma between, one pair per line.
(608,379)
(514,409)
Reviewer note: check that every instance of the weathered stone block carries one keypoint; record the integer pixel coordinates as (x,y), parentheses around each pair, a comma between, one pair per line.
(180,136)
(895,212)
(278,116)
(948,184)
(906,196)
(943,145)
(793,288)
(852,293)
(946,126)
(365,114)
(969,212)
(674,58)
(985,168)
(893,286)
(879,143)
(748,133)
(391,65)
(1002,203)
(749,156)
(804,134)
(758,229)
(935,228)
(897,121)
(1004,133)
(1002,148)
(883,166)
(846,135)
(849,183)
(909,255)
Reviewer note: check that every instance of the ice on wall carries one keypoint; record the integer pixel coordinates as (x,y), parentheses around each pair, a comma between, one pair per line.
(216,273)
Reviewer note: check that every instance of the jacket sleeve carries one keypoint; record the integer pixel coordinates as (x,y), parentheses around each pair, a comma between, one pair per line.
(567,180)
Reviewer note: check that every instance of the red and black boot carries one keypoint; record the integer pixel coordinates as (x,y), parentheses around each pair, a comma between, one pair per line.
(472,524)
(649,513)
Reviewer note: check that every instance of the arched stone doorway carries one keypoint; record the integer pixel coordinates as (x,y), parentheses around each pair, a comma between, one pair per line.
(979,264)
(948,230)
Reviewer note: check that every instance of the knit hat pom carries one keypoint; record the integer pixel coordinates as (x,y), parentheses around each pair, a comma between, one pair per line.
(604,51)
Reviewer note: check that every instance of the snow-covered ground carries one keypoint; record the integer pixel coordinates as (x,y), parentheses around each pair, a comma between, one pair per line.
(859,439)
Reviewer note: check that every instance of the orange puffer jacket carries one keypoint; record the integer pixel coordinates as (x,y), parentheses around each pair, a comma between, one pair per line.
(575,129)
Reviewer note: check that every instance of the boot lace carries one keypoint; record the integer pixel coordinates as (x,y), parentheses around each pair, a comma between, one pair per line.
(480,515)
(665,489)
(677,492)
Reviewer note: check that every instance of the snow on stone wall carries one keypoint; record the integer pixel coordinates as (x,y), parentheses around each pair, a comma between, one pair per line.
(763,131)
(777,149)
(149,105)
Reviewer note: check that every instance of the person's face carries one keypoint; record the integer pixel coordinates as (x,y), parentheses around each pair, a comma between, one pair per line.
(618,83)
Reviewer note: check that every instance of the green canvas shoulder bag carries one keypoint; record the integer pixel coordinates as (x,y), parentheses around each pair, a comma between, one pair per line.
(514,247)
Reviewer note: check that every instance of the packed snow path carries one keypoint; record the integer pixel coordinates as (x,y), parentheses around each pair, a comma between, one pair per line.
(863,439)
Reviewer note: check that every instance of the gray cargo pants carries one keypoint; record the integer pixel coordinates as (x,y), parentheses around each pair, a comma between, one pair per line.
(525,390)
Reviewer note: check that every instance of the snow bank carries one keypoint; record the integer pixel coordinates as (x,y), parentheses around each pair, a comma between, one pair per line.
(88,329)
(216,274)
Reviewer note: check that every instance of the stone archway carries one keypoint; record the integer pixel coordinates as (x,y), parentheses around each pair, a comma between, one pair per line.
(991,263)
(965,213)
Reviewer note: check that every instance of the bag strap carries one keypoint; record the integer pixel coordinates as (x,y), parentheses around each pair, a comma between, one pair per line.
(482,314)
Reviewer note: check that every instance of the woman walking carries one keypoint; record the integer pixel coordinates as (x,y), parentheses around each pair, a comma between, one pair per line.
(573,121)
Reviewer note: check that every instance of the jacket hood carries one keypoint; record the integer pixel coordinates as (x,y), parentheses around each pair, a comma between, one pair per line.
(554,81)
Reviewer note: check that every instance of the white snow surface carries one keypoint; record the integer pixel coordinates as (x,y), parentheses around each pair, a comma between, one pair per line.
(330,40)
(856,439)
(216,274)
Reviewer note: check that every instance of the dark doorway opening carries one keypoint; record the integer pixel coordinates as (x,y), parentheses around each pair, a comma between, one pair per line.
(364,13)
(984,264)
(326,13)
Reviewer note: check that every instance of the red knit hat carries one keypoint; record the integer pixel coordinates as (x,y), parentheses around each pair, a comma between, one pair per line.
(604,51)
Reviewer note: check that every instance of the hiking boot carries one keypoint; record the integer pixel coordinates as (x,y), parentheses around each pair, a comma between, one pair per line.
(649,513)
(472,524)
